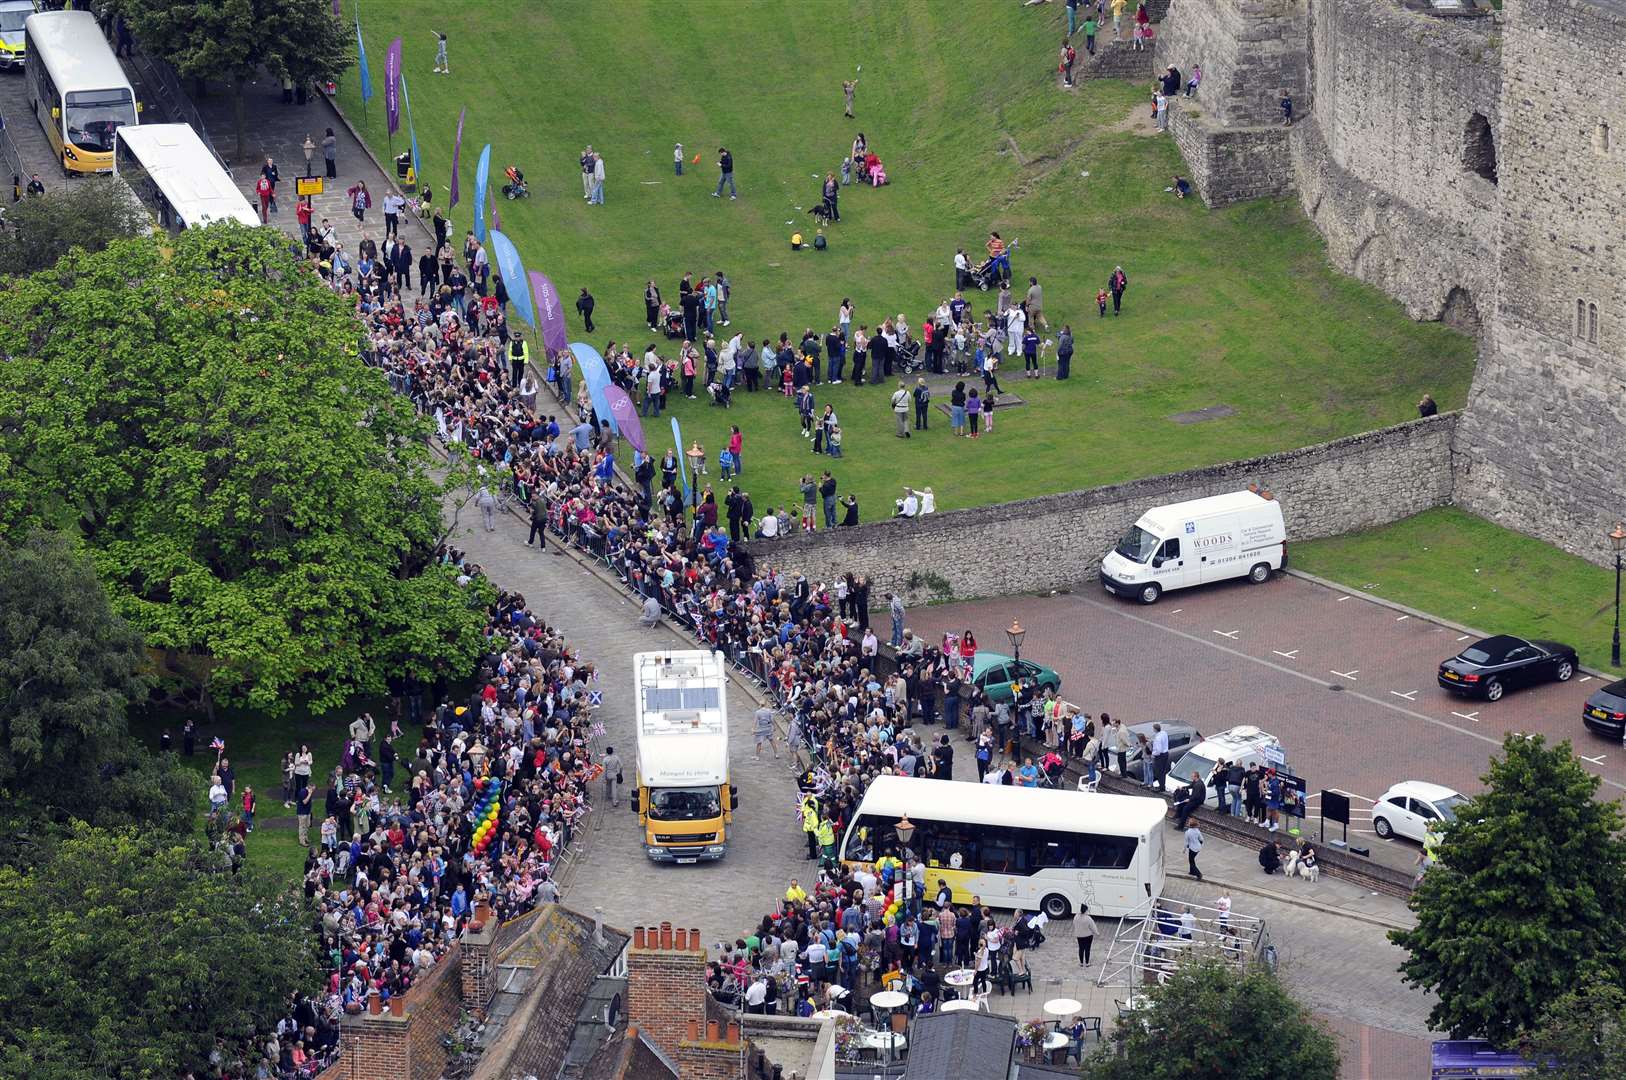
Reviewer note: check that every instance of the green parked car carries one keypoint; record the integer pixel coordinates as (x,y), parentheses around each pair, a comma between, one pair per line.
(994,673)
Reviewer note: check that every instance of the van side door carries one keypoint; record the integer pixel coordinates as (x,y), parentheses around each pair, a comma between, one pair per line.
(1169,568)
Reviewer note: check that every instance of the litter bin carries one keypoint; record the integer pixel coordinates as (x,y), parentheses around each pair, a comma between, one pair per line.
(403,164)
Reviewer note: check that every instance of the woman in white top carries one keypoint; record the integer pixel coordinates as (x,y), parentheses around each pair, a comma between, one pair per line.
(217,793)
(980,982)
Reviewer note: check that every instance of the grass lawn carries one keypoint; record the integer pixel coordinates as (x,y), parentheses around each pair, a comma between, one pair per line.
(255,744)
(1461,567)
(960,100)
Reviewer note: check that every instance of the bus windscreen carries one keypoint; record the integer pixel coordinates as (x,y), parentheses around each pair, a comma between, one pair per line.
(94,115)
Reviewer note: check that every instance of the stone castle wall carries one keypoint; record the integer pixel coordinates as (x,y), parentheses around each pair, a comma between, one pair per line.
(1381,162)
(1540,449)
(1057,541)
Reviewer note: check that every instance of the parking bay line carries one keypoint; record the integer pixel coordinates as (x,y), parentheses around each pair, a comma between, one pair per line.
(1409,695)
(1595,760)
(1228,633)
(1586,678)
(1474,716)
(1350,675)
(1403,618)
(1290,655)
(1284,669)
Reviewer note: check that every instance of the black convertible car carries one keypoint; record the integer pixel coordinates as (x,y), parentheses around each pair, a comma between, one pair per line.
(1491,667)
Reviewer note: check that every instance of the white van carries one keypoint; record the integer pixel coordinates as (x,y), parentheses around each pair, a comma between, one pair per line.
(1171,547)
(1244,746)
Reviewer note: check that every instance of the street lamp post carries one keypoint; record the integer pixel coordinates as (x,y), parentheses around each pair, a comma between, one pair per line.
(1618,539)
(1015,633)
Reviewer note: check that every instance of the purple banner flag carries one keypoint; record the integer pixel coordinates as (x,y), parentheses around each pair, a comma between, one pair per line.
(550,314)
(392,86)
(457,149)
(626,416)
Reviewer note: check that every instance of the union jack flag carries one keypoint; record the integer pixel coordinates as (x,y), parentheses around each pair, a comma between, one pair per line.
(598,729)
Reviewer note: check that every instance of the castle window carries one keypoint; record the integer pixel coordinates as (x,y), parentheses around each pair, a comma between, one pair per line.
(1580,319)
(1592,324)
(1479,148)
(1600,138)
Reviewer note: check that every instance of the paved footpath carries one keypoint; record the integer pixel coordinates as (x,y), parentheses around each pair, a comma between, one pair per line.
(1329,935)
(278,131)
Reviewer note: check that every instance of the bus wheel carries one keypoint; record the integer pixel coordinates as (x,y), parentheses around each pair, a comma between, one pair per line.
(1056,906)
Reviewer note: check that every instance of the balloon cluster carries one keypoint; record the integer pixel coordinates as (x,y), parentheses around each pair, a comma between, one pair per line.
(488,803)
(889,867)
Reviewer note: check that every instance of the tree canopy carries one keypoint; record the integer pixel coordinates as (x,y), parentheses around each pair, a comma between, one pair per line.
(69,668)
(1582,1035)
(1526,899)
(233,40)
(90,213)
(1208,1021)
(126,956)
(254,497)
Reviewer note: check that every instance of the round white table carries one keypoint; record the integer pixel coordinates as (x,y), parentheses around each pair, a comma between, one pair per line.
(960,977)
(889,999)
(1062,1007)
(1056,1040)
(958,1005)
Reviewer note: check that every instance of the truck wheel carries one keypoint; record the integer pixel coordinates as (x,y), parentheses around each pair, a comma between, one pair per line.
(1150,592)
(1055,906)
(1260,573)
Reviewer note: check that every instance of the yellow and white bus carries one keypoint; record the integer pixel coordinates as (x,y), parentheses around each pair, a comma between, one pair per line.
(178,178)
(1017,847)
(77,89)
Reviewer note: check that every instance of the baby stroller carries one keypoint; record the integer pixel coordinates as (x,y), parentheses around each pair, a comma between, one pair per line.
(516,187)
(672,324)
(720,394)
(907,356)
(986,275)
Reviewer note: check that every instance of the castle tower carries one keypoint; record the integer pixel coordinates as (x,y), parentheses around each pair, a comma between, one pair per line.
(1542,447)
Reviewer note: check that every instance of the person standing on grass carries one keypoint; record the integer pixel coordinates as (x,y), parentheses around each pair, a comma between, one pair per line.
(443,66)
(587,174)
(1072,17)
(677,159)
(1068,56)
(584,307)
(1064,352)
(1090,27)
(1118,284)
(848,88)
(900,410)
(725,290)
(652,304)
(827,492)
(725,169)
(922,400)
(249,803)
(598,181)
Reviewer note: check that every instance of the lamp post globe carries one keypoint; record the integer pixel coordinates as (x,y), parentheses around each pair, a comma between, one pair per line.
(1015,633)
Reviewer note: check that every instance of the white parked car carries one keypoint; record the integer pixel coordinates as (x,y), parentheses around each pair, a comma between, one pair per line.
(1411,806)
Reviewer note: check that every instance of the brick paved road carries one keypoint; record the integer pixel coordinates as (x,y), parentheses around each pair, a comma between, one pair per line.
(1343,967)
(1239,654)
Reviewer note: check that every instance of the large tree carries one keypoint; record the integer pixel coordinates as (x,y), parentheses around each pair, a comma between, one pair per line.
(1209,1021)
(69,669)
(126,956)
(234,40)
(1526,900)
(89,213)
(1582,1035)
(258,501)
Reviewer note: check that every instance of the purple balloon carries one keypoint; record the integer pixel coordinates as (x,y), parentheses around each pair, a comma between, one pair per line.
(626,416)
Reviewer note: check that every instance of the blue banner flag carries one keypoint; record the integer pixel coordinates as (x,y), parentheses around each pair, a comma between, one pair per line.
(482,174)
(683,472)
(513,277)
(597,378)
(361,63)
(457,152)
(406,99)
